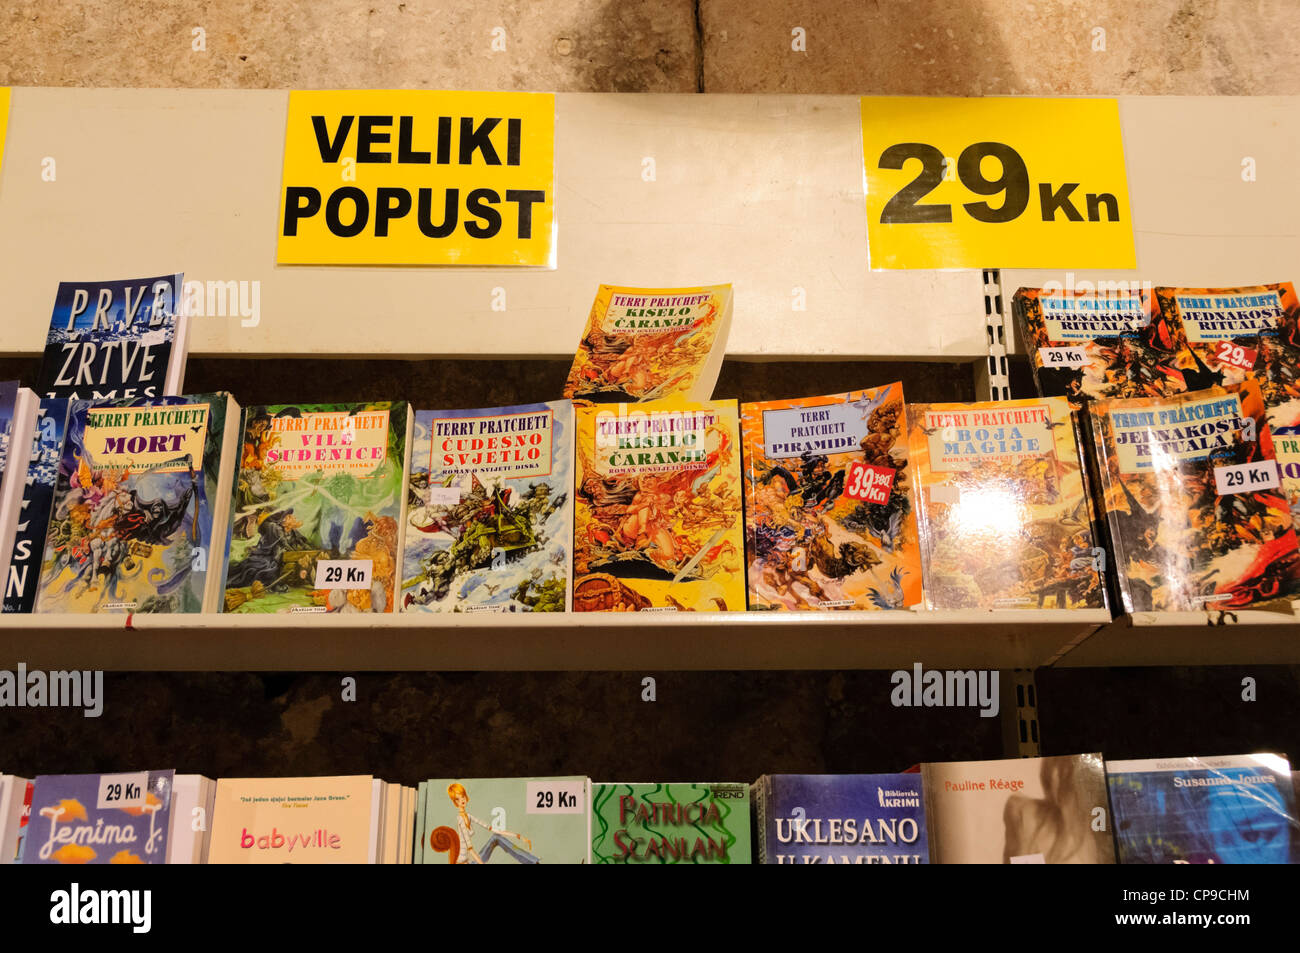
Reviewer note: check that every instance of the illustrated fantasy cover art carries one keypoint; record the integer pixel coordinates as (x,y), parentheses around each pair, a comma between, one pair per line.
(1231,810)
(1088,345)
(489,523)
(1223,325)
(1004,512)
(650,344)
(113,340)
(99,818)
(829,517)
(1277,368)
(842,819)
(318,505)
(1191,490)
(131,529)
(658,520)
(505,821)
(38,498)
(677,823)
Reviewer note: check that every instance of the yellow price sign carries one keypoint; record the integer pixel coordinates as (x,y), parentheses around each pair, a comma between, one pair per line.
(995,183)
(418,177)
(4,121)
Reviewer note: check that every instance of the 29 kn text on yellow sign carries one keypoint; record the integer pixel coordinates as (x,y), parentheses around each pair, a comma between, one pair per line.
(995,183)
(4,120)
(418,177)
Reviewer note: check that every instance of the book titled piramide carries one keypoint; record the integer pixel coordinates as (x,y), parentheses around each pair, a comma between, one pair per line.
(830,521)
(650,344)
(657,520)
(504,821)
(1005,515)
(489,522)
(670,824)
(316,523)
(140,505)
(1191,490)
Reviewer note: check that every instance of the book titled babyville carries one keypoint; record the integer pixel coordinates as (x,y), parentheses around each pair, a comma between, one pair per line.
(292,821)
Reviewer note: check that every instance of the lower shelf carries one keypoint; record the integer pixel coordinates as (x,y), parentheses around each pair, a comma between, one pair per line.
(544,642)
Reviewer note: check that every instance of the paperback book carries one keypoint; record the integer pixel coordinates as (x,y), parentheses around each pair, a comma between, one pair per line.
(670,824)
(505,821)
(841,819)
(116,340)
(651,344)
(1223,325)
(658,523)
(329,820)
(1232,810)
(99,818)
(1277,368)
(33,522)
(139,508)
(829,516)
(1191,490)
(319,504)
(489,522)
(1018,811)
(1004,510)
(17,419)
(1090,345)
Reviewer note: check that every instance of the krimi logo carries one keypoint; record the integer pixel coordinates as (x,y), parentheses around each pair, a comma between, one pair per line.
(217,299)
(946,689)
(37,689)
(74,906)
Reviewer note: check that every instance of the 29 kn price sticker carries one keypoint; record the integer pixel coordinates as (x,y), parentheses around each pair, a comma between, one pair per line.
(995,183)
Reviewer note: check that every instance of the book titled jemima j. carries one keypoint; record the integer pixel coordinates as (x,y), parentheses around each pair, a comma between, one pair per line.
(100,818)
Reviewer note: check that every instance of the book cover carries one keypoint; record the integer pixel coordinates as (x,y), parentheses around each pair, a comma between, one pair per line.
(677,823)
(1191,490)
(650,344)
(318,508)
(1232,810)
(115,340)
(292,821)
(489,523)
(99,818)
(1091,344)
(37,503)
(8,402)
(137,519)
(1222,326)
(1003,507)
(1277,368)
(841,819)
(505,821)
(829,517)
(657,520)
(1019,811)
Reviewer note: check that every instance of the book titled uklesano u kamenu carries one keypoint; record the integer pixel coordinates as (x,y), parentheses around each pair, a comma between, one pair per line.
(658,523)
(1005,517)
(489,522)
(650,344)
(1191,491)
(318,508)
(829,516)
(140,505)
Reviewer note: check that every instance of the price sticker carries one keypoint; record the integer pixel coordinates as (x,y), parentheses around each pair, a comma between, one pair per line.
(1017,182)
(1246,477)
(868,482)
(444,495)
(1062,357)
(1235,355)
(122,790)
(343,573)
(556,797)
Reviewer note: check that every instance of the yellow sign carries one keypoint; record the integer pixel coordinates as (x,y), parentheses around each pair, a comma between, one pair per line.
(995,183)
(417,177)
(4,121)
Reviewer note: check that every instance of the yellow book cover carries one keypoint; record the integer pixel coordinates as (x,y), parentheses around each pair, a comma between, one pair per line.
(657,516)
(291,821)
(1004,515)
(650,344)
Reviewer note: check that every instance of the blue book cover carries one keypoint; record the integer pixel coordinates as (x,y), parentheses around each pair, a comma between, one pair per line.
(99,818)
(490,510)
(841,819)
(114,340)
(8,397)
(1229,810)
(38,495)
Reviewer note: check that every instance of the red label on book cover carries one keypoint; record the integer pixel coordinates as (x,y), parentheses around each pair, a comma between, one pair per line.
(1234,354)
(868,482)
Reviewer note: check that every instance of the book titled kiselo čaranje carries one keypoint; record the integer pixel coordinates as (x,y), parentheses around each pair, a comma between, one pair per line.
(678,823)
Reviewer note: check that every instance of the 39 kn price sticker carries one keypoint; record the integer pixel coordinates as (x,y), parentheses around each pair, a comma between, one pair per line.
(995,182)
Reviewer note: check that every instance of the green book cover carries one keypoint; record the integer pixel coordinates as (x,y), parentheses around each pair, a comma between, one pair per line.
(505,821)
(670,824)
(318,508)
